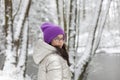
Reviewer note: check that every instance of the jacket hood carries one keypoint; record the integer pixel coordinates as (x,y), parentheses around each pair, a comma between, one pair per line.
(41,50)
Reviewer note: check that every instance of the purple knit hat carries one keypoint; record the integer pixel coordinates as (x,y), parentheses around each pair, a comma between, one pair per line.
(50,31)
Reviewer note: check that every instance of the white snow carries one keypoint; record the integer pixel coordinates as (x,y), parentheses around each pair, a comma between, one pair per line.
(4,76)
(21,20)
(109,50)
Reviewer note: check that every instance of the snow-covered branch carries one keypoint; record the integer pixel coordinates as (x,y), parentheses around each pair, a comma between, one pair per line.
(21,18)
(23,54)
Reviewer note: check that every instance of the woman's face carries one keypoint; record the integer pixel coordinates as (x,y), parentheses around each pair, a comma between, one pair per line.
(58,41)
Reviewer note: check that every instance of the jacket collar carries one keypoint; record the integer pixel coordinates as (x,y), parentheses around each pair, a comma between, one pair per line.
(41,50)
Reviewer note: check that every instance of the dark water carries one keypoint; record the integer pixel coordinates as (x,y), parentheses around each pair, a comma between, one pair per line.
(104,67)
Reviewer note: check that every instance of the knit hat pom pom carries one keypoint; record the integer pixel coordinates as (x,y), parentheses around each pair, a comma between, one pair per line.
(46,25)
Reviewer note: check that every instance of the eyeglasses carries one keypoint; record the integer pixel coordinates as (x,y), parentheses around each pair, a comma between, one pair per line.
(58,39)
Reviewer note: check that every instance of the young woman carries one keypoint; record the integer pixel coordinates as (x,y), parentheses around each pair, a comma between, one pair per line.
(51,54)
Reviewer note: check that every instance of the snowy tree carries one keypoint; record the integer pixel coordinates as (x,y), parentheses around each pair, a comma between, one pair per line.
(72,34)
(16,24)
(68,18)
(2,21)
(10,56)
(60,12)
(94,36)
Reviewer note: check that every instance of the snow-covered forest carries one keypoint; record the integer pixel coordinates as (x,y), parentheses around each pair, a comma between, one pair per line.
(91,26)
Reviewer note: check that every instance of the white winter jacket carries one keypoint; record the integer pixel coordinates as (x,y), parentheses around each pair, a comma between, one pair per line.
(51,65)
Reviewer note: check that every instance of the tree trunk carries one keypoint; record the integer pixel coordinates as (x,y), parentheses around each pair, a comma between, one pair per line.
(23,53)
(22,57)
(84,10)
(100,28)
(2,23)
(99,25)
(10,59)
(60,10)
(77,22)
(83,62)
(15,61)
(118,9)
(72,35)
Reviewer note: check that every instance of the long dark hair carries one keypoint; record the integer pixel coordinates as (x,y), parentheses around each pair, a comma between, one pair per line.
(63,52)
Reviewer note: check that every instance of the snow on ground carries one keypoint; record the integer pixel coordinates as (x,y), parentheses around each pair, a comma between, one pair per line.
(110,39)
(4,76)
(109,50)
